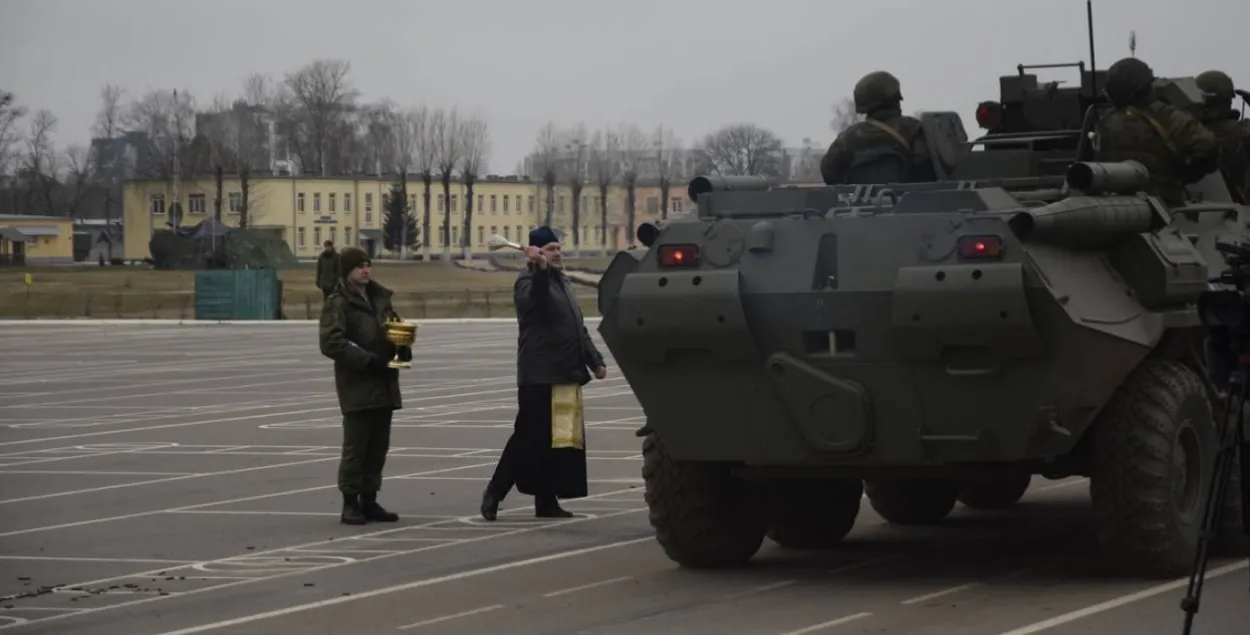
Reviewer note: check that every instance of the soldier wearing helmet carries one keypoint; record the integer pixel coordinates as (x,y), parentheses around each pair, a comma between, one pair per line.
(1174,146)
(887,146)
(1232,133)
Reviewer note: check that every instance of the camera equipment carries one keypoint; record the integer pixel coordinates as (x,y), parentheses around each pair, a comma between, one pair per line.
(1223,310)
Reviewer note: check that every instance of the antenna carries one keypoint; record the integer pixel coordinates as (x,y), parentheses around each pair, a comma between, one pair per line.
(1093,68)
(1132,43)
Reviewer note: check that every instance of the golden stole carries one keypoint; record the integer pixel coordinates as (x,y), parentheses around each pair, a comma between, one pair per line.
(568,428)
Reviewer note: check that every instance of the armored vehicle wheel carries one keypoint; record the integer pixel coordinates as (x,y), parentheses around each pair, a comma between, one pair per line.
(995,493)
(812,514)
(703,516)
(1153,448)
(912,502)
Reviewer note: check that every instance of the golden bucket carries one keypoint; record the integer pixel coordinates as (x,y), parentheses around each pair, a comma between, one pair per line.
(400,333)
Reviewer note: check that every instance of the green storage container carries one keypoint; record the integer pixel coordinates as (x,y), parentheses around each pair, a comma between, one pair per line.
(238,294)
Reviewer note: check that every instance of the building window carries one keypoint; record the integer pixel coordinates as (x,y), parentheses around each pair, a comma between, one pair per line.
(299,202)
(674,205)
(317,202)
(156,204)
(347,231)
(520,232)
(507,233)
(195,203)
(493,230)
(481,234)
(333,201)
(316,235)
(531,203)
(368,202)
(347,202)
(560,205)
(481,202)
(412,202)
(505,203)
(235,204)
(332,232)
(299,233)
(454,202)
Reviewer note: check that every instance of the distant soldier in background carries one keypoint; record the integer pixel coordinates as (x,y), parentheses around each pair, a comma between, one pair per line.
(328,273)
(1232,133)
(887,146)
(353,334)
(1174,146)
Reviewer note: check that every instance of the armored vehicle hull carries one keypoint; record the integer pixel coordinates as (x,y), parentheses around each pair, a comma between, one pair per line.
(795,348)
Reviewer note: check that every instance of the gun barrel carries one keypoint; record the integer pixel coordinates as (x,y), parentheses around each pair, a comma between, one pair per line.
(1085,221)
(700,185)
(1123,177)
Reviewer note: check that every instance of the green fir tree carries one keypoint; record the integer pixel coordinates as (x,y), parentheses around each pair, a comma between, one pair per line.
(399,226)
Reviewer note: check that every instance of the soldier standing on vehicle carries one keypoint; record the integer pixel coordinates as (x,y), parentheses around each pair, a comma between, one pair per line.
(328,270)
(353,334)
(1232,133)
(886,147)
(1174,146)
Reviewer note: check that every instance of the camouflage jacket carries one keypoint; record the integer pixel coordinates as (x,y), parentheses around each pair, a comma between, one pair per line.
(1174,146)
(328,271)
(889,130)
(553,346)
(353,334)
(1233,138)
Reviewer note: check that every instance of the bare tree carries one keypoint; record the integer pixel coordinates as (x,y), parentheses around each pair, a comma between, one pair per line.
(576,176)
(547,159)
(10,114)
(40,163)
(633,144)
(109,165)
(166,119)
(322,96)
(423,160)
(403,141)
(605,166)
(78,164)
(447,148)
(741,150)
(844,115)
(667,150)
(475,148)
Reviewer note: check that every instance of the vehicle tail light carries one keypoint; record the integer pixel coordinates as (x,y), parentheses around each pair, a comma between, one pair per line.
(980,248)
(989,114)
(679,256)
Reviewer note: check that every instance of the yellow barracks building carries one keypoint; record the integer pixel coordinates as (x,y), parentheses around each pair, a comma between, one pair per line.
(36,240)
(306,211)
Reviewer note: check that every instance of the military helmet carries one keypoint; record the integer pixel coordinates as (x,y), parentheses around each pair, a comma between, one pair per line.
(1216,83)
(1127,79)
(876,90)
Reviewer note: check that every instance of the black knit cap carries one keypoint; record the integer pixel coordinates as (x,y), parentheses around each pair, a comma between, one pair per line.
(543,236)
(352,257)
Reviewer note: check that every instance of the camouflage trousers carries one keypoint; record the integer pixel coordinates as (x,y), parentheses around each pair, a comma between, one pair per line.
(366,440)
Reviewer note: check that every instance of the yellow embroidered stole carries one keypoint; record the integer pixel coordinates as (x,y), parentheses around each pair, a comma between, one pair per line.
(567,417)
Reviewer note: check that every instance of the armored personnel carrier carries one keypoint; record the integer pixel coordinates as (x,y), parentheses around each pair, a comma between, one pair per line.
(1031,314)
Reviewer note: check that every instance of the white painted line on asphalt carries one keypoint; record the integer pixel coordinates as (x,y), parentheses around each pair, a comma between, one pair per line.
(170,479)
(244,499)
(757,590)
(585,587)
(866,563)
(117,560)
(94,472)
(472,573)
(830,624)
(1114,603)
(454,616)
(943,592)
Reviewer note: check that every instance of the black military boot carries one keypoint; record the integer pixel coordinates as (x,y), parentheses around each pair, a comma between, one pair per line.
(490,505)
(549,507)
(352,514)
(375,512)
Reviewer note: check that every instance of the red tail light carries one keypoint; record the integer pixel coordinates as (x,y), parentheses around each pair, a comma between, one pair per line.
(989,114)
(679,255)
(980,248)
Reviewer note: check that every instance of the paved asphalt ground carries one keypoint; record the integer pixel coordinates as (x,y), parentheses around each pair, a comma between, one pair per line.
(163,479)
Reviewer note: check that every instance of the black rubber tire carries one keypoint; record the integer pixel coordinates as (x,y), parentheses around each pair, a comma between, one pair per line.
(995,493)
(912,502)
(703,517)
(812,513)
(1142,529)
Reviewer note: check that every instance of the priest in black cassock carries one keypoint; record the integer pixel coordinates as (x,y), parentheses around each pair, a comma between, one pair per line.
(546,455)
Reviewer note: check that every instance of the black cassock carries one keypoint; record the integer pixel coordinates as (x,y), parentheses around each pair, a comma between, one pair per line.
(546,454)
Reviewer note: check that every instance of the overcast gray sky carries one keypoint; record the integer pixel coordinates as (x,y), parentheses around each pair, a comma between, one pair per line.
(692,65)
